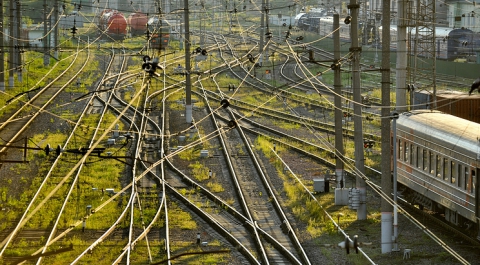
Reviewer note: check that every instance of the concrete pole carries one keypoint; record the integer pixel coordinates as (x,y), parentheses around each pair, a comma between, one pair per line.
(188,82)
(386,182)
(2,51)
(11,44)
(357,110)
(262,32)
(394,158)
(401,98)
(401,72)
(337,85)
(55,32)
(18,36)
(46,55)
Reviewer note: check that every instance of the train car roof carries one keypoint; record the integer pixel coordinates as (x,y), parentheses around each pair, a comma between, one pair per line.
(451,132)
(299,15)
(392,28)
(441,31)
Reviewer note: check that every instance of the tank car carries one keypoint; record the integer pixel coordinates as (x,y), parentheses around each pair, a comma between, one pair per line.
(137,23)
(438,165)
(113,23)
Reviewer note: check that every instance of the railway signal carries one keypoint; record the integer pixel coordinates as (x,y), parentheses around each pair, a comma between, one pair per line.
(150,65)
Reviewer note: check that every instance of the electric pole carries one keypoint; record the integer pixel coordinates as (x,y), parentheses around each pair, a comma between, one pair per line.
(11,49)
(2,51)
(19,46)
(357,111)
(55,31)
(46,56)
(337,85)
(262,32)
(386,181)
(188,83)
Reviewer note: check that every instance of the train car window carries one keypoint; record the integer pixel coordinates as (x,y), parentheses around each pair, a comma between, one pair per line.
(419,158)
(412,154)
(472,181)
(424,160)
(432,163)
(460,174)
(400,150)
(453,172)
(405,149)
(446,176)
(438,166)
(465,180)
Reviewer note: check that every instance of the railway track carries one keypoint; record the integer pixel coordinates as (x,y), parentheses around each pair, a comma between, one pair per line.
(250,215)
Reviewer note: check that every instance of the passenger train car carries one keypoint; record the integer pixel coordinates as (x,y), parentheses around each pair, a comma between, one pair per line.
(438,164)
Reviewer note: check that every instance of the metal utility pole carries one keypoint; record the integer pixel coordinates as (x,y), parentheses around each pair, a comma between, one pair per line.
(337,85)
(386,181)
(2,51)
(19,38)
(357,110)
(46,56)
(423,18)
(11,50)
(188,82)
(401,70)
(55,32)
(262,32)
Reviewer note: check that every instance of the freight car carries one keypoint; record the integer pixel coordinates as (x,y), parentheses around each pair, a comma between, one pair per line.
(438,165)
(137,23)
(113,24)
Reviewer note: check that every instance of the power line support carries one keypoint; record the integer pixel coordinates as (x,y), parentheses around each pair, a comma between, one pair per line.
(46,55)
(19,47)
(337,85)
(188,82)
(2,51)
(401,71)
(11,52)
(357,110)
(262,32)
(386,181)
(55,31)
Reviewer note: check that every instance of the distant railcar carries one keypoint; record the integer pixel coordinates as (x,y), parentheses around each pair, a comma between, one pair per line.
(160,32)
(113,23)
(450,43)
(438,164)
(137,23)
